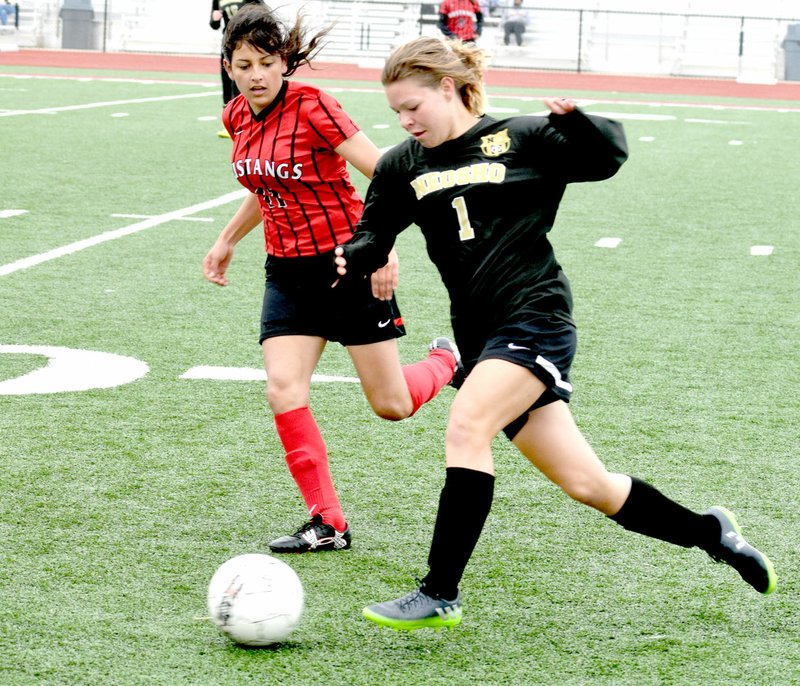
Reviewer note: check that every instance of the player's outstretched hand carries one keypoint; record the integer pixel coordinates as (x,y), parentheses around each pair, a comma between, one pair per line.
(560,105)
(216,263)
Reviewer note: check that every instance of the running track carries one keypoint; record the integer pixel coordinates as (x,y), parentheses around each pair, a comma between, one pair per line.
(558,82)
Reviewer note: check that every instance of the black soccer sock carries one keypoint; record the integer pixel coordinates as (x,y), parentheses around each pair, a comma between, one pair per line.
(649,512)
(463,507)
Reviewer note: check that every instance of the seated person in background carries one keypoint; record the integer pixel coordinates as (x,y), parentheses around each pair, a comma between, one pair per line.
(515,19)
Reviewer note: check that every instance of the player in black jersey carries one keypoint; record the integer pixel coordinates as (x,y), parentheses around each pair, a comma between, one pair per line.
(485,194)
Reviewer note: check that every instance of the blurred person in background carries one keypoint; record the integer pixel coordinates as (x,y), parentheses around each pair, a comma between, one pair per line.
(462,19)
(490,8)
(515,21)
(6,10)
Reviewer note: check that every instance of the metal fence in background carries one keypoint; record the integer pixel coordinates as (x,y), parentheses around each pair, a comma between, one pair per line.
(751,48)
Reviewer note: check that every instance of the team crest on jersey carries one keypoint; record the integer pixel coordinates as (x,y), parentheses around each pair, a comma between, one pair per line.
(495,144)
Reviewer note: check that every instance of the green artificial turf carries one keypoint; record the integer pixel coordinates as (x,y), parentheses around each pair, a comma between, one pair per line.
(118,504)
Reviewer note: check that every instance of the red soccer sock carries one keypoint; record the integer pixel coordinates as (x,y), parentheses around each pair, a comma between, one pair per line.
(425,379)
(307,458)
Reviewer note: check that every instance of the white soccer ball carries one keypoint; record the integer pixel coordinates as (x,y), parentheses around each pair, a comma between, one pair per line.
(255,600)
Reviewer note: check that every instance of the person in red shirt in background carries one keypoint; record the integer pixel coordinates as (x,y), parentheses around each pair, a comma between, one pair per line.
(291,142)
(461,19)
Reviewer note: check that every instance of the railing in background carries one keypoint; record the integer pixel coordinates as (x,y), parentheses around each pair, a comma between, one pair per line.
(583,40)
(749,48)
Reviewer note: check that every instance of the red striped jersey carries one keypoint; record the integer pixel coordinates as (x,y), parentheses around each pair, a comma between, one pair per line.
(285,155)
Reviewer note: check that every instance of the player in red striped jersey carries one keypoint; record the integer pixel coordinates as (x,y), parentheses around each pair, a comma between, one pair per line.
(461,19)
(291,142)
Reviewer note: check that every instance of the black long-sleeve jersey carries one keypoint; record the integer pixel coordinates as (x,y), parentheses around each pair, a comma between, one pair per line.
(485,202)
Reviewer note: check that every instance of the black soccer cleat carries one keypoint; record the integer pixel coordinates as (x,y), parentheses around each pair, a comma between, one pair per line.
(459,375)
(753,566)
(314,536)
(416,610)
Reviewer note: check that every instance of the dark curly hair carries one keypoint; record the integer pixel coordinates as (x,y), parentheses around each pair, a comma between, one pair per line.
(260,27)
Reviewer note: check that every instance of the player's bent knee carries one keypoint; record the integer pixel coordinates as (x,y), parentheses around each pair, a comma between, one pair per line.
(587,491)
(285,398)
(464,434)
(389,414)
(392,410)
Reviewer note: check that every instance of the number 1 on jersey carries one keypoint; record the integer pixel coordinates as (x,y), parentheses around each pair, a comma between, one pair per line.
(465,230)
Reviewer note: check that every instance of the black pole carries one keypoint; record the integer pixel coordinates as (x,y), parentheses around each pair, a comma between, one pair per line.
(105,23)
(741,38)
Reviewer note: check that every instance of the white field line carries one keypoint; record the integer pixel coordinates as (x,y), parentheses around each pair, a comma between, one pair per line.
(107,103)
(149,216)
(111,79)
(208,373)
(584,102)
(34,260)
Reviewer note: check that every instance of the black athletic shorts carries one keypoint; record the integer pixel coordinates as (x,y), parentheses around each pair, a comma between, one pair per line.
(299,301)
(545,348)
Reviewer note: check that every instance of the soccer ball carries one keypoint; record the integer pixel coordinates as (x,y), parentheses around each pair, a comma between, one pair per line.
(255,600)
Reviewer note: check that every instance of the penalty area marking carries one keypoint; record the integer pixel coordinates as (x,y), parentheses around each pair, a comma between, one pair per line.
(206,373)
(34,260)
(69,369)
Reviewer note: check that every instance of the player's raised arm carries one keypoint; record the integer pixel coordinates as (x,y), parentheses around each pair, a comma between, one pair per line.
(585,147)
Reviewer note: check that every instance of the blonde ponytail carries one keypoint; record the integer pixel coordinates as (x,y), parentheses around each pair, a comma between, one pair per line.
(429,60)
